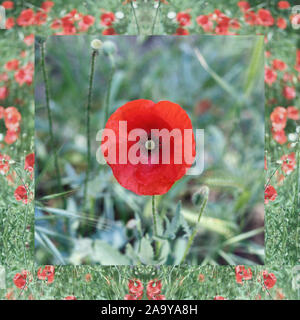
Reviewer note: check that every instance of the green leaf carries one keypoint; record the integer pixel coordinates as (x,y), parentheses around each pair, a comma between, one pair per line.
(107,255)
(146,252)
(175,224)
(255,65)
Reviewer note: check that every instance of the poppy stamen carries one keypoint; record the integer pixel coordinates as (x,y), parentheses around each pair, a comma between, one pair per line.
(150,145)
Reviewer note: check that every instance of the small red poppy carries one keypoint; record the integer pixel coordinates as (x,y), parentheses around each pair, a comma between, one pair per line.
(265,17)
(107,18)
(135,287)
(270,194)
(21,194)
(278,118)
(270,76)
(20,279)
(46,273)
(283,4)
(241,273)
(181,32)
(289,163)
(154,288)
(279,64)
(281,23)
(47,5)
(279,136)
(293,113)
(12,65)
(151,175)
(29,162)
(269,279)
(109,32)
(4,92)
(7,5)
(289,92)
(243,5)
(183,18)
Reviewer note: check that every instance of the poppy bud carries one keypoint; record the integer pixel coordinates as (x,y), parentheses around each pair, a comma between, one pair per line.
(109,47)
(96,44)
(201,196)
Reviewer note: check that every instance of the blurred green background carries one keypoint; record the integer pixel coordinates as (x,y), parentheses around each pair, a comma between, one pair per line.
(223,94)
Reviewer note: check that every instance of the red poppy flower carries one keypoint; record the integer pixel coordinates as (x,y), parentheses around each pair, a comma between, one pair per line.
(243,5)
(279,136)
(281,23)
(12,118)
(250,18)
(10,22)
(46,273)
(289,92)
(4,92)
(107,18)
(265,17)
(29,162)
(11,136)
(205,23)
(270,194)
(12,65)
(269,279)
(25,74)
(219,298)
(109,32)
(40,18)
(279,64)
(135,287)
(270,76)
(154,162)
(70,298)
(20,279)
(153,289)
(283,4)
(183,18)
(29,40)
(278,118)
(289,163)
(86,22)
(181,32)
(241,273)
(7,5)
(21,194)
(4,164)
(47,5)
(26,18)
(293,113)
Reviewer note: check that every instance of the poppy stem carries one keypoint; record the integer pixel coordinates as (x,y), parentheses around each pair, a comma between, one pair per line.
(156,14)
(88,129)
(135,18)
(297,193)
(47,95)
(154,217)
(193,235)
